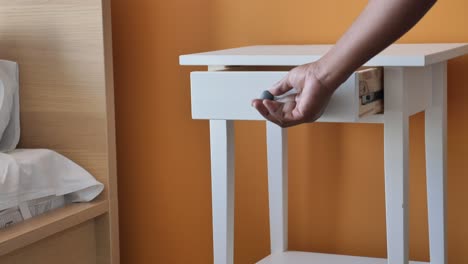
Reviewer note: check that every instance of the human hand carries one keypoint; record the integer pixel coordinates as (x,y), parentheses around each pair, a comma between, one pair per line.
(307,105)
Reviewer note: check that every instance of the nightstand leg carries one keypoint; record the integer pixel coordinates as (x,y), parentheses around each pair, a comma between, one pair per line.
(278,186)
(396,165)
(436,158)
(222,189)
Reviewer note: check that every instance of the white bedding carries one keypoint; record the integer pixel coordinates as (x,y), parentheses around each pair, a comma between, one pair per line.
(33,179)
(9,106)
(27,174)
(30,209)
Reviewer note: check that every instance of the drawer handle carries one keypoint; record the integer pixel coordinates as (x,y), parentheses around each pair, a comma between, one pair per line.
(371,97)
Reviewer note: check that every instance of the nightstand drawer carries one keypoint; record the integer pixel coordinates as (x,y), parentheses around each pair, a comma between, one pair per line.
(228,95)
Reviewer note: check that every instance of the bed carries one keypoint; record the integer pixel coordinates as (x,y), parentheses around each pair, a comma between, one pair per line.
(67,105)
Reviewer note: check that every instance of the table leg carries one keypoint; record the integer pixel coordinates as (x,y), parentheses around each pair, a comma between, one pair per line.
(396,165)
(277,186)
(436,157)
(222,189)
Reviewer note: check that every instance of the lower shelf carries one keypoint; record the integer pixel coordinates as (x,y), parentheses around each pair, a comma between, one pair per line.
(38,228)
(295,257)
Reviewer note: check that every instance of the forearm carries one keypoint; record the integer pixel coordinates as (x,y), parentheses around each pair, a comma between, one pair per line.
(381,23)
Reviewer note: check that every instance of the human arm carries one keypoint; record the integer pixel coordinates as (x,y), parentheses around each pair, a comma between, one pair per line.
(381,23)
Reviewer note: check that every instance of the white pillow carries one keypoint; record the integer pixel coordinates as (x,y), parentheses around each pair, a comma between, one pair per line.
(9,105)
(27,174)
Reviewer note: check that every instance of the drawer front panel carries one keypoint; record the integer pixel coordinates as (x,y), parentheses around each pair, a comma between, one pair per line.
(228,95)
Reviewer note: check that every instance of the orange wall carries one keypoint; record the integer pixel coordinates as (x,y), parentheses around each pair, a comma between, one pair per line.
(336,170)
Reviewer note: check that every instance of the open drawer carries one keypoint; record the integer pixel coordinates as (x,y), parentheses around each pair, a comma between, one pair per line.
(228,95)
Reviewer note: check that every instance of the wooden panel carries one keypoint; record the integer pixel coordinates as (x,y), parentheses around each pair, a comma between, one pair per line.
(228,95)
(74,246)
(281,55)
(277,157)
(108,225)
(37,228)
(370,91)
(59,48)
(222,190)
(66,90)
(418,83)
(293,257)
(396,151)
(436,165)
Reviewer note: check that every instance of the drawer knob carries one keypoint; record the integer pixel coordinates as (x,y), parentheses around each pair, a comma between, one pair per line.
(267,95)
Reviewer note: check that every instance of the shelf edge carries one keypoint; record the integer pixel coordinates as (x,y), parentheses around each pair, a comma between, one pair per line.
(41,227)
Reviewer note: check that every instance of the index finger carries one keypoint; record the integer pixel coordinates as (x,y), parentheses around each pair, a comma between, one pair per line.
(281,87)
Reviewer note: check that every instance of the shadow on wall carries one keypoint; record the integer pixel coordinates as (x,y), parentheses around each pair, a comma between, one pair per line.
(457,156)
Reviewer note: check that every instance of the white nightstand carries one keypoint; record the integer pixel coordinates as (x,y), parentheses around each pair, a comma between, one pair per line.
(415,80)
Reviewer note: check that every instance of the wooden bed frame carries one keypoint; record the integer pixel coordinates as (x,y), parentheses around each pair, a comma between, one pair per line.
(64,52)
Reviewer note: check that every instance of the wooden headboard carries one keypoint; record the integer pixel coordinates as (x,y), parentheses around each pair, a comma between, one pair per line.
(66,88)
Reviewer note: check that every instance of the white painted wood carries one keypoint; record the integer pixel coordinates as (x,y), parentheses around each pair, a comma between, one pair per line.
(277,155)
(396,165)
(436,161)
(228,95)
(417,81)
(292,55)
(224,96)
(222,189)
(295,257)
